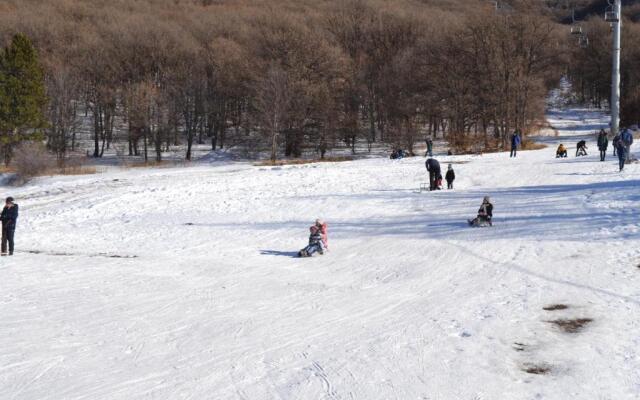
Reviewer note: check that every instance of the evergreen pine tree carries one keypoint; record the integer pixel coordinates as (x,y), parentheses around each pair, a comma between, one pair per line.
(22,95)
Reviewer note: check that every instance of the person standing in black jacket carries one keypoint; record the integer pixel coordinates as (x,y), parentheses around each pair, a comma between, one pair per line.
(603,144)
(450,176)
(433,166)
(9,218)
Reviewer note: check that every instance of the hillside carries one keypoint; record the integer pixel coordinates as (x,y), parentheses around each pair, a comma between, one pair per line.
(145,284)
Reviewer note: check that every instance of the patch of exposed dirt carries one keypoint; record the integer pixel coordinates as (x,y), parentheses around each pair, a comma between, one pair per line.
(555,307)
(519,346)
(571,325)
(536,369)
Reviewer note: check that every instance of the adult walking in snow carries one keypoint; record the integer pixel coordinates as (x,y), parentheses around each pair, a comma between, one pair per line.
(433,166)
(622,154)
(318,240)
(9,218)
(615,141)
(627,139)
(515,142)
(450,176)
(429,147)
(485,214)
(603,144)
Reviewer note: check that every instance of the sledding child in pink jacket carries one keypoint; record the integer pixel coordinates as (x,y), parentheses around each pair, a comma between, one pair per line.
(318,240)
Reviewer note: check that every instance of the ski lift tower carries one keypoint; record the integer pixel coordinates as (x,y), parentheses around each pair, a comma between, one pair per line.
(613,15)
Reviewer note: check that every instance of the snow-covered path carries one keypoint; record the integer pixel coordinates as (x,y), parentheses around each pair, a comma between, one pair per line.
(180,283)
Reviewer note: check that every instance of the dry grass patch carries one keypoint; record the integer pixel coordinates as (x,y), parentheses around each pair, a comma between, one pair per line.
(279,163)
(154,164)
(571,325)
(531,145)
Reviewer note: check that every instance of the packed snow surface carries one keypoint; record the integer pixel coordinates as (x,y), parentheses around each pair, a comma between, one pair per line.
(182,283)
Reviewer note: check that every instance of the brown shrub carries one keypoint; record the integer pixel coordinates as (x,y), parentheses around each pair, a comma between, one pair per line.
(32,159)
(528,144)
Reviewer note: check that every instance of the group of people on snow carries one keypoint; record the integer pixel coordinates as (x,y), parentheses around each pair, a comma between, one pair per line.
(435,175)
(621,147)
(397,154)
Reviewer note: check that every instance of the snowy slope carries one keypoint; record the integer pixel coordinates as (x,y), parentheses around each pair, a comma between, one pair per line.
(180,283)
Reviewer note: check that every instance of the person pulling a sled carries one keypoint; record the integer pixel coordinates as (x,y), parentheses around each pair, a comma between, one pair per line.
(561,152)
(433,166)
(318,240)
(581,148)
(485,214)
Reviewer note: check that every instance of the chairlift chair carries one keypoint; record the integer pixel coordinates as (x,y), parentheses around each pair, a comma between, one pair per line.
(576,30)
(611,16)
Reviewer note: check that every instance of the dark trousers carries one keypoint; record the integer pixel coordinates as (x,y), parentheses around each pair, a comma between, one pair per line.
(603,154)
(621,159)
(7,237)
(514,151)
(433,175)
(449,185)
(313,248)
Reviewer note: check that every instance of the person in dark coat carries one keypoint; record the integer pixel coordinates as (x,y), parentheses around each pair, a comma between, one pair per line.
(581,148)
(515,142)
(397,154)
(433,166)
(485,214)
(603,144)
(429,147)
(9,218)
(626,137)
(450,176)
(622,154)
(616,140)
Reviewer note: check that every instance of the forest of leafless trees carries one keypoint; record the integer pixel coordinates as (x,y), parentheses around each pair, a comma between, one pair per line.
(288,77)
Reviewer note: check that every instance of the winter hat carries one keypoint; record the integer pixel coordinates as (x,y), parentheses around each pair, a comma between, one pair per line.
(450,166)
(9,199)
(319,222)
(487,199)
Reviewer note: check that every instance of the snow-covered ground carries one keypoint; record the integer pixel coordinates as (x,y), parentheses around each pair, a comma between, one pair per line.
(181,283)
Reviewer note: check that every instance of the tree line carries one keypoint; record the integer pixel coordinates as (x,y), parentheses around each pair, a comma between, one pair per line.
(285,77)
(589,67)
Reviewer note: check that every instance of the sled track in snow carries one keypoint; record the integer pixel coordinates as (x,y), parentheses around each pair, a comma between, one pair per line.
(68,254)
